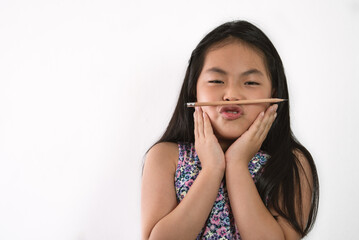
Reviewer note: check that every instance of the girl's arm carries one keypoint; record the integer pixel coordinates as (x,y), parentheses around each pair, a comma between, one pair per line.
(253,219)
(162,218)
(306,186)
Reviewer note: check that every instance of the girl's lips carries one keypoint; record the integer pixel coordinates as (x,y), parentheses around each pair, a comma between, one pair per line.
(231,112)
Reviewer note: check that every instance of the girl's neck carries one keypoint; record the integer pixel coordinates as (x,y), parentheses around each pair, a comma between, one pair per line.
(225,143)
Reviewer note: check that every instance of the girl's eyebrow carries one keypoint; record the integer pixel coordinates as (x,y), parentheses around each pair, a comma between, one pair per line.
(252,71)
(246,73)
(217,70)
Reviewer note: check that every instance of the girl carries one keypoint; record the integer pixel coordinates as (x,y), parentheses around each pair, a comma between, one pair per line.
(230,172)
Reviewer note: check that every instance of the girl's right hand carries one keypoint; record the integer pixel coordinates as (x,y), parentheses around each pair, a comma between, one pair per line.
(207,146)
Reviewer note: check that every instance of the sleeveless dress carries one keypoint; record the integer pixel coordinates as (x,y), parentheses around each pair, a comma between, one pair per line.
(220,223)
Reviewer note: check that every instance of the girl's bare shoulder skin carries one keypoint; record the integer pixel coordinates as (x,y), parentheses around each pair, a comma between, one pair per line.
(165,154)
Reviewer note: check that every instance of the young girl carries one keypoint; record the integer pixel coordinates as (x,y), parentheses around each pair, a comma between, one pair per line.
(231,171)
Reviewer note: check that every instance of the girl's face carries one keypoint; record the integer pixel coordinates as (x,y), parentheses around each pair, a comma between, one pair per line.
(233,71)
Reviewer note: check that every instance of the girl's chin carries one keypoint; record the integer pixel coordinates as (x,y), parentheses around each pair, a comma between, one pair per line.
(226,139)
(230,130)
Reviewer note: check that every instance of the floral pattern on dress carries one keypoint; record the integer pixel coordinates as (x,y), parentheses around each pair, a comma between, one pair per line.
(220,223)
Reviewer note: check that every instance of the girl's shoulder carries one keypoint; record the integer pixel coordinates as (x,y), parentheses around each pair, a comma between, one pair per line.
(164,154)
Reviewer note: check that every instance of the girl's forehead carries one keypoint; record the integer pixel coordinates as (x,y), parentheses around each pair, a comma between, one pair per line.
(235,54)
(234,41)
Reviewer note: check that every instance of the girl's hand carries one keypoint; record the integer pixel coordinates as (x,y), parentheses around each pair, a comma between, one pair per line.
(207,146)
(247,145)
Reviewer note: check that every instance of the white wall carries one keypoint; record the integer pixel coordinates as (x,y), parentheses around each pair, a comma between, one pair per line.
(87,86)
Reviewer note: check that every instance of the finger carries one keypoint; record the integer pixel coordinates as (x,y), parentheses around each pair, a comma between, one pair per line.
(269,125)
(256,125)
(262,125)
(200,122)
(207,126)
(264,134)
(268,121)
(195,124)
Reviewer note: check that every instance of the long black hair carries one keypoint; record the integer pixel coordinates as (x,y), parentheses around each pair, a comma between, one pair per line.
(279,183)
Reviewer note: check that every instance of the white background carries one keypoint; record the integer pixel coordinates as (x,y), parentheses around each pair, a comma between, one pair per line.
(87,86)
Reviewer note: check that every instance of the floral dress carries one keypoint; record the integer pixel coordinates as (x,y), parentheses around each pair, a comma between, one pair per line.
(220,223)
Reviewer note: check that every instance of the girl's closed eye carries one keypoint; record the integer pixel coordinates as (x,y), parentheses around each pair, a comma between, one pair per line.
(216,81)
(251,83)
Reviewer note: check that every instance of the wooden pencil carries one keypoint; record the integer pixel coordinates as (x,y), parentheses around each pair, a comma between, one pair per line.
(239,102)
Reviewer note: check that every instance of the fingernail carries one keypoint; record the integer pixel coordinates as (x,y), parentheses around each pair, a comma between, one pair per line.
(262,114)
(274,107)
(275,115)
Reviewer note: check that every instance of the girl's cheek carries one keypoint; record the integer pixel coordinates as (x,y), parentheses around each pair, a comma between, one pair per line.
(207,110)
(262,107)
(211,113)
(253,111)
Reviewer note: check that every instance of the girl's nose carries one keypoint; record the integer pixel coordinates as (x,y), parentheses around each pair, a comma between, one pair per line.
(231,99)
(232,94)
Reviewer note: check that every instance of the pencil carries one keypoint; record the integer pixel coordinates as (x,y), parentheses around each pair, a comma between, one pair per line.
(239,102)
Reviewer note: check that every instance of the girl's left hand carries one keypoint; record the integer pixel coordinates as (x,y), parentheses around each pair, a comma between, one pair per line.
(249,143)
